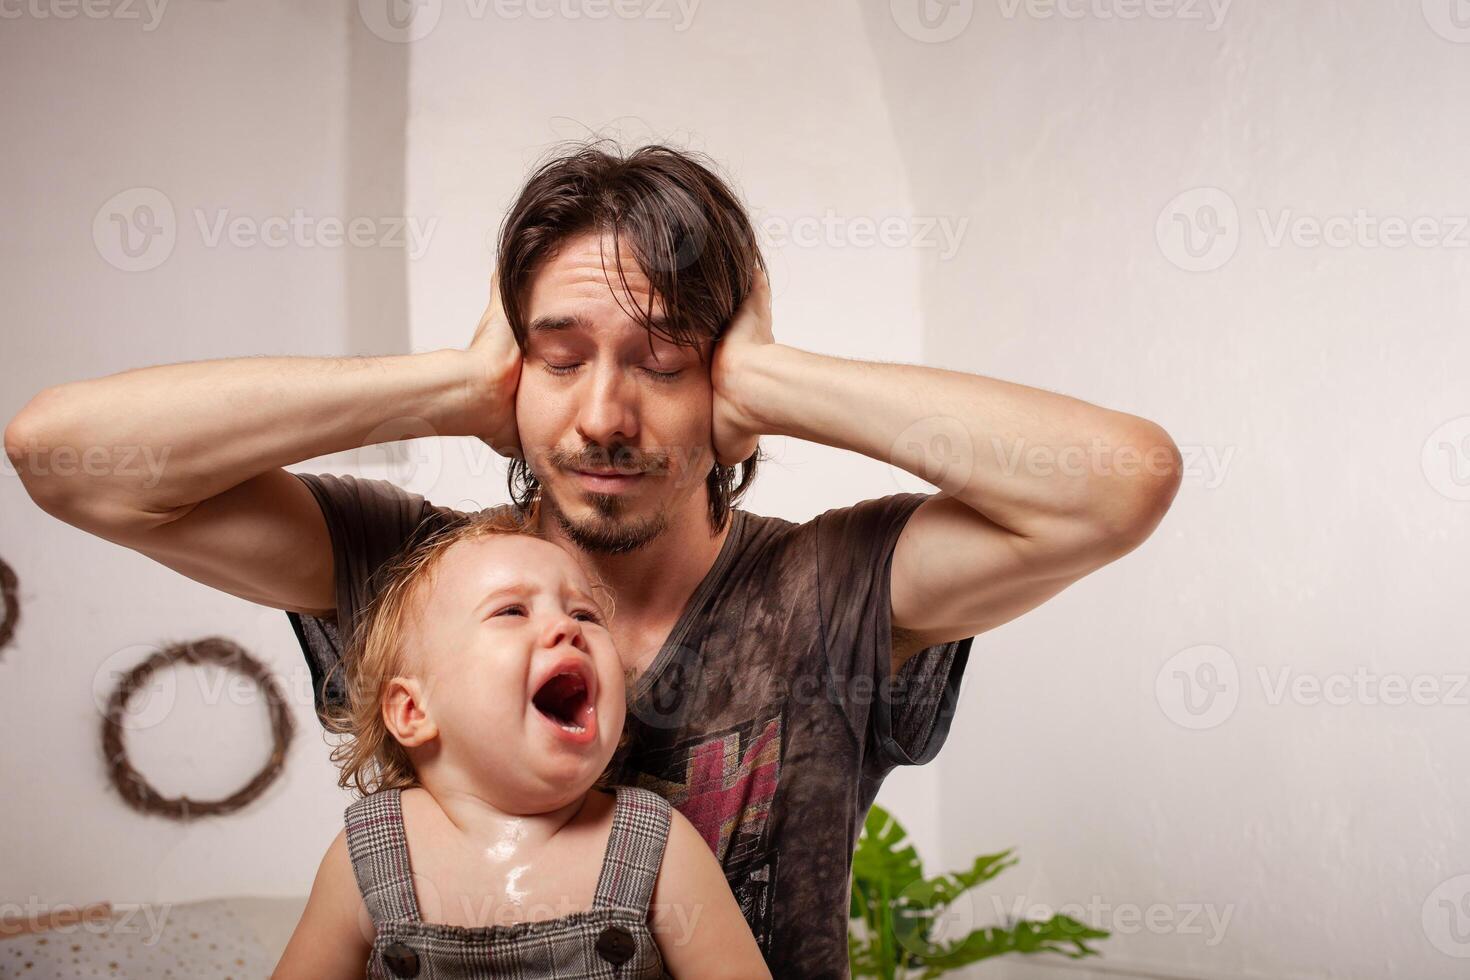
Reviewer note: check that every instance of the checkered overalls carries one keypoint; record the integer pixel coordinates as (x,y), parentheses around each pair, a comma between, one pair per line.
(611,939)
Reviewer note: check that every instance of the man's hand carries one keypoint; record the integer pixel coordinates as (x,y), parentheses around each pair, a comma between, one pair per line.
(497,375)
(735,433)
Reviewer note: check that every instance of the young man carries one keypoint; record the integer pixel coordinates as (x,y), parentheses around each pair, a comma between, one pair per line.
(627,365)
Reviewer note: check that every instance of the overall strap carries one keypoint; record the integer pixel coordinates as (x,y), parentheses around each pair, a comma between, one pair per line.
(635,849)
(379,852)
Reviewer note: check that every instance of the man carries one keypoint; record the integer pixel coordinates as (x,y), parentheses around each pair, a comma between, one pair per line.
(626,363)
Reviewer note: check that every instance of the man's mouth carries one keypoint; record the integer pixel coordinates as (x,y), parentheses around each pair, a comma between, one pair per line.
(607,480)
(566,698)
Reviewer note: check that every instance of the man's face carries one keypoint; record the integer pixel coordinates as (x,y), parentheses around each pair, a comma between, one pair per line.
(598,393)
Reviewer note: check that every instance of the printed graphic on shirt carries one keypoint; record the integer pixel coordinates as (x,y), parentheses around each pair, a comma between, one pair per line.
(725,783)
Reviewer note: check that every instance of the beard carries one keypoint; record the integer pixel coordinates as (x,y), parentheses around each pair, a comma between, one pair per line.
(609,530)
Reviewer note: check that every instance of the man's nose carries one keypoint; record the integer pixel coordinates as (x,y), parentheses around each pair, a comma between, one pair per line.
(608,413)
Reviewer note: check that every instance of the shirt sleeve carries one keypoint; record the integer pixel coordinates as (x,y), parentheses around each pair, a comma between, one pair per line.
(903,721)
(370,522)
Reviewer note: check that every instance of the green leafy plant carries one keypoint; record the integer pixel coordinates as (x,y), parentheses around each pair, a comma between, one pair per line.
(904,916)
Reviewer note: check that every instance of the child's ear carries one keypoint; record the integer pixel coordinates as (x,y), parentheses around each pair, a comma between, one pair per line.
(405,712)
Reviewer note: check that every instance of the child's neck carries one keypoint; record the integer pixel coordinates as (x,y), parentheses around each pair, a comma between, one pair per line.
(484,821)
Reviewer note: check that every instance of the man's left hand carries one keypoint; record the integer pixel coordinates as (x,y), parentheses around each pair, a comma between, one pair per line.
(735,431)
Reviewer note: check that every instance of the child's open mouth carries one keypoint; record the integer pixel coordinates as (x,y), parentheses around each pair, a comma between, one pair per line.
(566,699)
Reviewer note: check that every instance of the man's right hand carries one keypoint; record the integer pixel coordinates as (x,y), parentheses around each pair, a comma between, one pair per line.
(185,462)
(498,368)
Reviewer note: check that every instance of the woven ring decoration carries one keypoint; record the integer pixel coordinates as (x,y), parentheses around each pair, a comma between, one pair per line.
(211,650)
(10,596)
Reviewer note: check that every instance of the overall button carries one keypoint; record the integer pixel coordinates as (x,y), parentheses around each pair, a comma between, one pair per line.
(401,960)
(616,945)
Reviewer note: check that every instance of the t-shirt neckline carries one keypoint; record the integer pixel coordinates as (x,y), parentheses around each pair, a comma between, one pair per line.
(650,676)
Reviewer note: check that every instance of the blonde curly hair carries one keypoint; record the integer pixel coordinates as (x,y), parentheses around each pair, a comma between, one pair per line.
(369,757)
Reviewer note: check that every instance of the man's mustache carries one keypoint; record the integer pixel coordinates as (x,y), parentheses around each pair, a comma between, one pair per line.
(624,461)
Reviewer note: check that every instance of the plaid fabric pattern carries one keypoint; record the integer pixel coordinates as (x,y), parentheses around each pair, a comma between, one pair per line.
(585,945)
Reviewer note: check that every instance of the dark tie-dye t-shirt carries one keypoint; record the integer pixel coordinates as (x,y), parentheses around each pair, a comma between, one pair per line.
(767,718)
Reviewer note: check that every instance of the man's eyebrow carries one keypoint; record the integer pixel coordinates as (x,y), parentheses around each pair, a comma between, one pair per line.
(551,324)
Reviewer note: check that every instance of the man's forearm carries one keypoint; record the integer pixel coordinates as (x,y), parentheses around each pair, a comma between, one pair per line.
(1019,455)
(156,440)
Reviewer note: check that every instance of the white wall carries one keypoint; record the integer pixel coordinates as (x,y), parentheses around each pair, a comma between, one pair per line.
(1312,544)
(223,110)
(1304,383)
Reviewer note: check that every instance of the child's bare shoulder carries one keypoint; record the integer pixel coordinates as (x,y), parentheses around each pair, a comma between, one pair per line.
(417,800)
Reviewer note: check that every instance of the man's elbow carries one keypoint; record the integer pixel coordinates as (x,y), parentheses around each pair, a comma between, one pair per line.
(23,444)
(1145,480)
(40,450)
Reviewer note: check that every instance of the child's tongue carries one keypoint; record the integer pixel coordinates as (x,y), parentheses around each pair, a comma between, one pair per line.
(562,699)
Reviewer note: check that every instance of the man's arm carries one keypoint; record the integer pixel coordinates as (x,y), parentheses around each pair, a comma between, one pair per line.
(184,462)
(1037,489)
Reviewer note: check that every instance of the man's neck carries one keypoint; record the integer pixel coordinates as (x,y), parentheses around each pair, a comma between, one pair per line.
(653,584)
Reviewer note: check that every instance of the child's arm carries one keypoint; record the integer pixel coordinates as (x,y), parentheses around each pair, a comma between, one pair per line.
(695,919)
(329,941)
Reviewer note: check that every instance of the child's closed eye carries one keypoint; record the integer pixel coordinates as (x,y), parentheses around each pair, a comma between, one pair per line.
(591,616)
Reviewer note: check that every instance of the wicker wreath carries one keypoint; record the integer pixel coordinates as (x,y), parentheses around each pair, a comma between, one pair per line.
(211,650)
(10,597)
